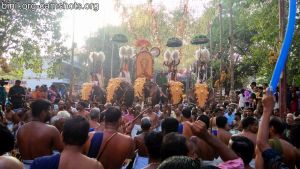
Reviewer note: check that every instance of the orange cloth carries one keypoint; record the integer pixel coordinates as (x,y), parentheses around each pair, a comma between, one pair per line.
(41,95)
(34,95)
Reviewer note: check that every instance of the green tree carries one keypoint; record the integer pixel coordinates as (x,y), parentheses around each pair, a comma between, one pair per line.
(256,33)
(140,25)
(101,41)
(30,35)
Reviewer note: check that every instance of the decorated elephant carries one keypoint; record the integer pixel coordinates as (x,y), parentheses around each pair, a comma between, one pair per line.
(119,92)
(201,95)
(93,93)
(98,95)
(175,92)
(149,92)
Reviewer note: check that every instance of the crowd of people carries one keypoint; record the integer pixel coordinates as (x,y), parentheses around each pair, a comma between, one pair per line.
(251,98)
(53,133)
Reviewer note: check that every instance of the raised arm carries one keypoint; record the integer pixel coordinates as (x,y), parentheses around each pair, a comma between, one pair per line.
(266,157)
(199,129)
(263,130)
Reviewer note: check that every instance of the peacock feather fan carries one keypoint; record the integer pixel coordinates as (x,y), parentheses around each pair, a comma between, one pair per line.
(167,56)
(122,51)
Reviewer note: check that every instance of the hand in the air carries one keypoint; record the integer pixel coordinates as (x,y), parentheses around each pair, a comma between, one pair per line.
(268,102)
(199,128)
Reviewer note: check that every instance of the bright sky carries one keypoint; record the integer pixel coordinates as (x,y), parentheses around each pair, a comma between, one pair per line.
(88,21)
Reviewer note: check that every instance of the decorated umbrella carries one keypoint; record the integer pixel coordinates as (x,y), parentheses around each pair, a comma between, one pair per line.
(119,38)
(174,42)
(142,43)
(199,40)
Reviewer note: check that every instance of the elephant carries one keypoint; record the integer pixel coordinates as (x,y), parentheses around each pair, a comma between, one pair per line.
(98,95)
(120,92)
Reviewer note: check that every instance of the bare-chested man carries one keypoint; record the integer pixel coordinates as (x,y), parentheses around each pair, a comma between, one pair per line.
(36,139)
(7,162)
(94,119)
(186,123)
(12,118)
(169,125)
(178,113)
(115,147)
(61,106)
(139,141)
(223,129)
(158,112)
(81,110)
(202,149)
(289,152)
(154,119)
(153,142)
(250,128)
(213,125)
(59,120)
(75,134)
(244,148)
(266,156)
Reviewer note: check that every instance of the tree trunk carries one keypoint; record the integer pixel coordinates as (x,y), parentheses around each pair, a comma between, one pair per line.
(282,86)
(221,33)
(231,93)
